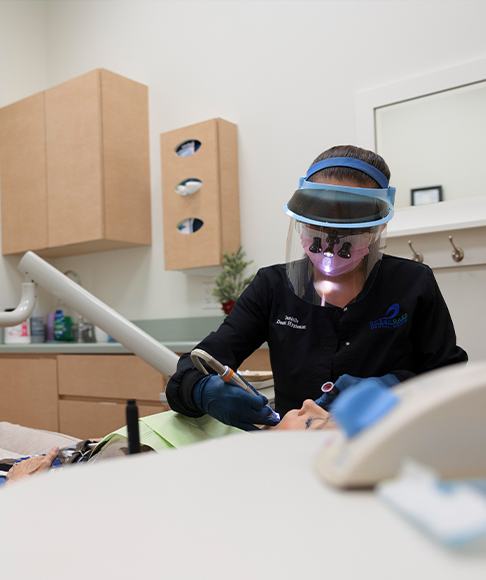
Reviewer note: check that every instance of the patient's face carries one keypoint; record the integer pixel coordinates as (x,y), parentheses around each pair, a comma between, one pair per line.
(309,416)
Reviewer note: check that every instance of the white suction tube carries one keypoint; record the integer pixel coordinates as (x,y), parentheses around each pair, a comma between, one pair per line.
(100,314)
(24,309)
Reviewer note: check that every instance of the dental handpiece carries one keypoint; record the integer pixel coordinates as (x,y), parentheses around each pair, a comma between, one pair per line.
(225,372)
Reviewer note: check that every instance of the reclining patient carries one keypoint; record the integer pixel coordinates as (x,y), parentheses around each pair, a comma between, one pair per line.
(167,430)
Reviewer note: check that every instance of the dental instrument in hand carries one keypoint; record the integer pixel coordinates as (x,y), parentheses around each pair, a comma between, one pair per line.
(224,371)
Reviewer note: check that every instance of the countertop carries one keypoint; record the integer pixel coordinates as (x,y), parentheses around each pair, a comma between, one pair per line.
(85,348)
(177,334)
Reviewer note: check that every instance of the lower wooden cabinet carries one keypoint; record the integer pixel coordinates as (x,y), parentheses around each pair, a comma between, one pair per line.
(92,419)
(93,390)
(108,376)
(257,361)
(83,395)
(80,395)
(28,391)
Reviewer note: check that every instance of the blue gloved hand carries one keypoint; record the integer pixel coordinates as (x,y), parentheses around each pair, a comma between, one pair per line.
(231,404)
(345,381)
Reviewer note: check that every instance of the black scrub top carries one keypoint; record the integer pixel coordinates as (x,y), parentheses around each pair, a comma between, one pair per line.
(398,324)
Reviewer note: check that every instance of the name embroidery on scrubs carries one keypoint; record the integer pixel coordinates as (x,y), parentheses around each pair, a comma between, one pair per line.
(391,318)
(292,322)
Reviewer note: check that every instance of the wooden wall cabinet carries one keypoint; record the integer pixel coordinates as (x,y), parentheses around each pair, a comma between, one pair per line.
(23,177)
(215,204)
(74,167)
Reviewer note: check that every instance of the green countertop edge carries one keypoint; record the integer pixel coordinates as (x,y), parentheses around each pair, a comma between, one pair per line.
(178,334)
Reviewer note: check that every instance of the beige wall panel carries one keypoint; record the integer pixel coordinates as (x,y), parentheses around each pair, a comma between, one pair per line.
(111,376)
(28,391)
(74,170)
(23,175)
(229,186)
(92,419)
(125,125)
(202,248)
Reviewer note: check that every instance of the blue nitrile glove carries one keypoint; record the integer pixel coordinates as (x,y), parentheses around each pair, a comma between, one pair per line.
(232,405)
(346,381)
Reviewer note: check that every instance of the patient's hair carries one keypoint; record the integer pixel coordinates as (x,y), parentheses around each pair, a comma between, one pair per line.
(344,173)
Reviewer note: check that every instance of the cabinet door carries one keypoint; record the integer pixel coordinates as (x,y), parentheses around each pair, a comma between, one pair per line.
(92,419)
(23,175)
(28,391)
(93,390)
(74,163)
(126,167)
(115,376)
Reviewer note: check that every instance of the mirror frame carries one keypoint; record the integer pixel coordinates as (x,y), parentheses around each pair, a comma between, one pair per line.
(453,214)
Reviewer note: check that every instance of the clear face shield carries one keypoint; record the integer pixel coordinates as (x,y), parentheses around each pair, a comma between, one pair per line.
(321,261)
(336,237)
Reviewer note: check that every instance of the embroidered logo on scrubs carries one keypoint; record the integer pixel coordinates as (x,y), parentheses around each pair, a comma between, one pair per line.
(392,318)
(291,321)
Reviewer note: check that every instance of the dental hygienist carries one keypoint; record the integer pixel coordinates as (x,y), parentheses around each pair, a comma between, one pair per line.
(336,312)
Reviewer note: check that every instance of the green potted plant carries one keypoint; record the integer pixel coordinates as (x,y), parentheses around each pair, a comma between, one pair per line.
(231,282)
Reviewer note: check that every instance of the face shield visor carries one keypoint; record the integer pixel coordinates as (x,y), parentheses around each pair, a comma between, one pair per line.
(336,233)
(322,261)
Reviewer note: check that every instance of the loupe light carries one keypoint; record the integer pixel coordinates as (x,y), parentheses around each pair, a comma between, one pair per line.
(332,240)
(316,247)
(345,251)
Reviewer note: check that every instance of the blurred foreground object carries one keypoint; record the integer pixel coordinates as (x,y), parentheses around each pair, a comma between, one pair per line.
(438,420)
(454,513)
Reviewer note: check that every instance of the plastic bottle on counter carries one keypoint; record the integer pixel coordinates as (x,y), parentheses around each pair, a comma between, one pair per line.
(18,334)
(37,329)
(63,326)
(50,326)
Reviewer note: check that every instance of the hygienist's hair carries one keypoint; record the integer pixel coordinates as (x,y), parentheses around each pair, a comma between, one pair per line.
(345,173)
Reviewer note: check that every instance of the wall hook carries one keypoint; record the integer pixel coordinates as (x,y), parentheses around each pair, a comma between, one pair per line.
(417,256)
(458,253)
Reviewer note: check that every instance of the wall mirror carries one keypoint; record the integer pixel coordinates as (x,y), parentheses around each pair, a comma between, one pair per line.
(431,130)
(436,140)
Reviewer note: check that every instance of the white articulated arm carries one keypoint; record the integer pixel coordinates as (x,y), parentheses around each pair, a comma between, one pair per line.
(100,314)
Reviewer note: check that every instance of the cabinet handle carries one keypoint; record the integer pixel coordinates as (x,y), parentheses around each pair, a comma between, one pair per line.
(417,256)
(458,253)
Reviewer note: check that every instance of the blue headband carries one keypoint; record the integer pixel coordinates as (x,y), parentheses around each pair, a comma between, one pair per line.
(352,163)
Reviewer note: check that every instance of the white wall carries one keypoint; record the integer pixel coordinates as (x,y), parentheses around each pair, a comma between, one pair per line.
(285,71)
(23,47)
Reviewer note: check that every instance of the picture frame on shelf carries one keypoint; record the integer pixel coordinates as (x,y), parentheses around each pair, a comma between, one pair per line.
(426,195)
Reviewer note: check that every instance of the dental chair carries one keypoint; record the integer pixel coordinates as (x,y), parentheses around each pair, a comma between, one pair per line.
(17,440)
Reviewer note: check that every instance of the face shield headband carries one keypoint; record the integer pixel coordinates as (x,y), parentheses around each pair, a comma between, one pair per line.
(337,206)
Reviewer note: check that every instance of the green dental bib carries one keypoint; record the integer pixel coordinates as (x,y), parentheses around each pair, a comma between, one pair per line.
(170,430)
